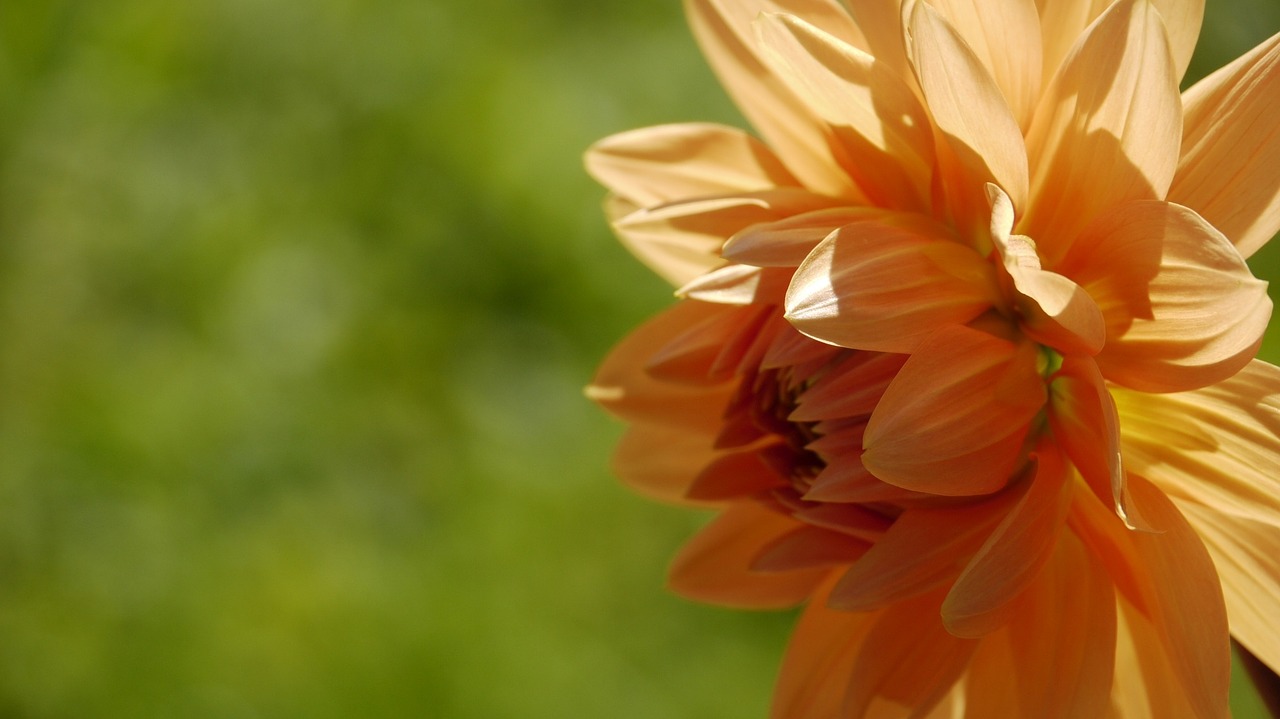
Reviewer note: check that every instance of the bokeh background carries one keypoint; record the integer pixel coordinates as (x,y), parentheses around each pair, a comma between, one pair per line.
(297,298)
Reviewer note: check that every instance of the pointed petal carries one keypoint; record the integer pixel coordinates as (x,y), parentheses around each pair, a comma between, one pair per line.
(1171,578)
(1063,635)
(682,240)
(740,285)
(788,241)
(1181,306)
(809,548)
(661,462)
(982,598)
(954,419)
(819,660)
(1086,423)
(876,118)
(670,163)
(1101,138)
(1005,36)
(908,661)
(887,285)
(624,387)
(1054,311)
(802,140)
(1146,684)
(924,549)
(1231,147)
(983,141)
(715,566)
(722,477)
(851,388)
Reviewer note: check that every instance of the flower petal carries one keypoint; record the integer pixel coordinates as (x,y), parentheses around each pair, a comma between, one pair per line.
(818,662)
(715,566)
(1005,36)
(740,285)
(802,140)
(924,549)
(983,141)
(1102,138)
(1231,148)
(1171,579)
(1063,20)
(877,120)
(850,389)
(1063,636)
(726,476)
(954,419)
(908,662)
(982,597)
(670,163)
(624,387)
(788,241)
(661,462)
(1181,306)
(809,548)
(886,285)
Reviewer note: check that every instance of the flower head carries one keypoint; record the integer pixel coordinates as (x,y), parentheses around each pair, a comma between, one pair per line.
(964,354)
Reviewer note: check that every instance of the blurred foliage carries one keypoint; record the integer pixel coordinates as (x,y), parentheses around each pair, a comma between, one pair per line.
(297,299)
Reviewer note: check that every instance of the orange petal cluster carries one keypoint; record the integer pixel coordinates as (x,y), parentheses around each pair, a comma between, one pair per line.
(964,351)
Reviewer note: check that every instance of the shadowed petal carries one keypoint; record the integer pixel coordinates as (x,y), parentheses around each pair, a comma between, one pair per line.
(1063,20)
(662,462)
(876,117)
(1103,137)
(819,660)
(715,566)
(1231,148)
(788,241)
(983,141)
(982,598)
(954,419)
(1171,579)
(1063,636)
(669,163)
(803,141)
(887,285)
(1182,308)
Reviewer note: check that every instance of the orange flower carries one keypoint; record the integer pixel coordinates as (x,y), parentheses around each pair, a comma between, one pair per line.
(964,355)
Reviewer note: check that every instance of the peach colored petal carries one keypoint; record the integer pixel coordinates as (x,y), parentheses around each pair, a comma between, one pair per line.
(887,285)
(682,240)
(1101,138)
(923,550)
(809,548)
(876,118)
(740,285)
(983,142)
(662,462)
(668,163)
(1005,36)
(987,684)
(1231,148)
(851,388)
(624,387)
(802,140)
(789,348)
(1171,579)
(715,566)
(1181,306)
(907,663)
(788,241)
(1086,424)
(818,662)
(732,475)
(675,257)
(1061,23)
(954,419)
(1063,636)
(982,598)
(1145,684)
(1054,311)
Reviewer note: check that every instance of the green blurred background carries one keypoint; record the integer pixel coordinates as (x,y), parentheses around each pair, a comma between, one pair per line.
(297,298)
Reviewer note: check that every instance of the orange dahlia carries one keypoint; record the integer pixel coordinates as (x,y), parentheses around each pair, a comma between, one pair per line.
(964,351)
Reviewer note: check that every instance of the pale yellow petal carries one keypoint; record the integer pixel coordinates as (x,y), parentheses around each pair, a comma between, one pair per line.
(982,139)
(887,285)
(1101,138)
(1063,20)
(877,120)
(1231,148)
